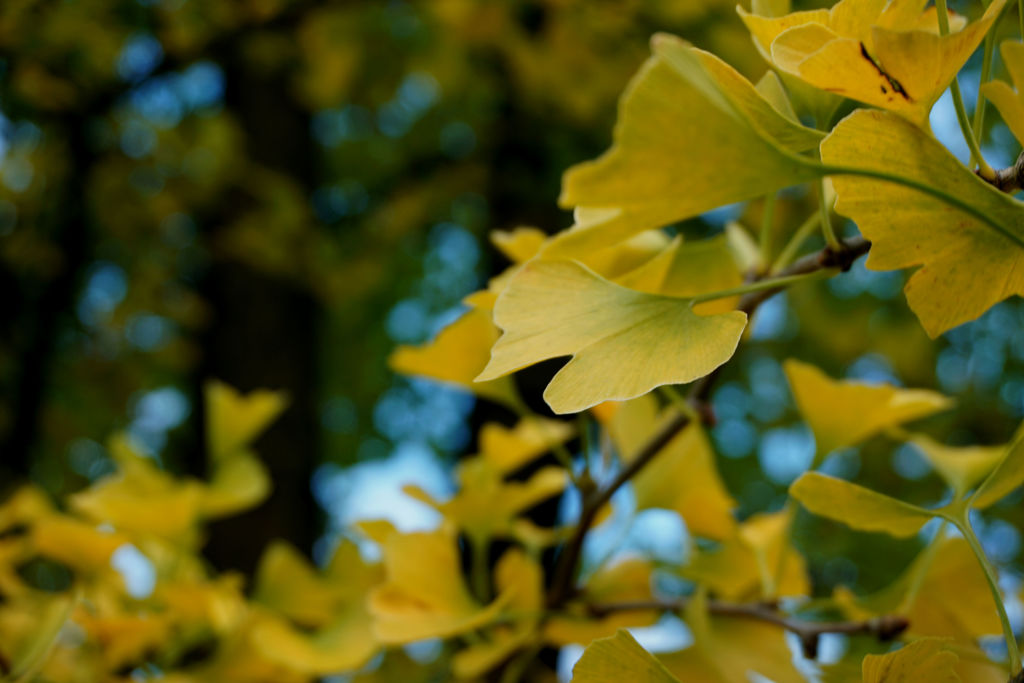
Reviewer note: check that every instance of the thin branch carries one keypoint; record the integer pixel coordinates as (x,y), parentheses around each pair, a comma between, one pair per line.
(809,632)
(1010,179)
(562,587)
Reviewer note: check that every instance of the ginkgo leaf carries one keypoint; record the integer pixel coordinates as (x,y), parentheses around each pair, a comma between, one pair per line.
(25,652)
(287,583)
(694,268)
(922,594)
(345,643)
(456,356)
(758,563)
(726,649)
(903,71)
(75,543)
(486,505)
(625,581)
(1006,477)
(424,595)
(235,420)
(684,112)
(967,264)
(683,477)
(617,659)
(142,498)
(522,579)
(961,467)
(928,659)
(624,343)
(509,449)
(238,482)
(858,507)
(1010,101)
(844,413)
(314,621)
(519,245)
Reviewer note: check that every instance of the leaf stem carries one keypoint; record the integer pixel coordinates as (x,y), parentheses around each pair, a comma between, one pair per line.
(988,52)
(789,252)
(826,218)
(767,229)
(984,169)
(761,285)
(480,571)
(963,523)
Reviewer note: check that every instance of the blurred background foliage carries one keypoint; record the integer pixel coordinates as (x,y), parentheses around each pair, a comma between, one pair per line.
(278,193)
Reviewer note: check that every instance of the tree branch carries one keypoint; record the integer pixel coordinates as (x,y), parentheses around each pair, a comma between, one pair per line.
(561,588)
(809,632)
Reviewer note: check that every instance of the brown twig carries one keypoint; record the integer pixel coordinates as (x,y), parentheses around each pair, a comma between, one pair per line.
(1010,179)
(561,588)
(809,632)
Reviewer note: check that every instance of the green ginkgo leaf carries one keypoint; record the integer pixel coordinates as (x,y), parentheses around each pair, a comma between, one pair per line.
(618,659)
(969,260)
(684,113)
(858,507)
(1007,476)
(961,467)
(623,343)
(1010,101)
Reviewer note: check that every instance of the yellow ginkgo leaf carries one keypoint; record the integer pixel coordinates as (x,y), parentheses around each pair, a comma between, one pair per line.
(858,507)
(75,543)
(424,595)
(509,449)
(1010,101)
(887,56)
(142,498)
(683,105)
(715,657)
(928,659)
(683,477)
(758,563)
(345,643)
(844,413)
(694,268)
(961,467)
(456,356)
(922,594)
(1007,476)
(29,630)
(624,343)
(486,505)
(287,583)
(625,581)
(519,245)
(235,420)
(238,482)
(617,659)
(522,579)
(315,622)
(969,261)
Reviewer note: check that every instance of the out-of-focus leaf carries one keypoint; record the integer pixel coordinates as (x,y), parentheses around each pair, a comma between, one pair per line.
(844,413)
(858,507)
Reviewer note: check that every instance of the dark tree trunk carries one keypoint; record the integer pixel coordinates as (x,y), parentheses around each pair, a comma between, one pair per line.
(263,332)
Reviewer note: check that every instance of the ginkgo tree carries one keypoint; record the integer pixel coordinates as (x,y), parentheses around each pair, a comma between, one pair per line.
(110,584)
